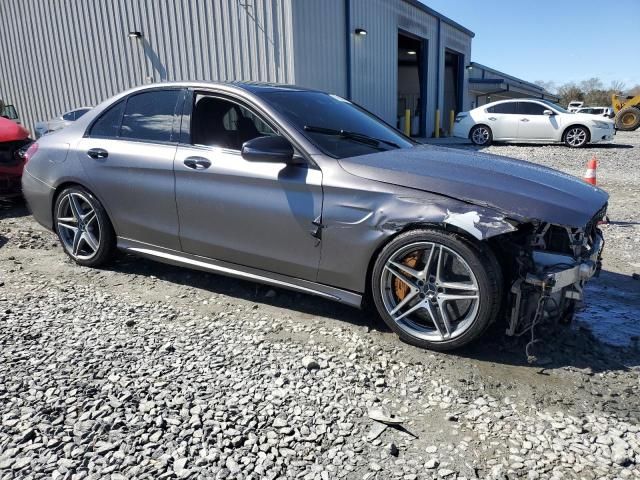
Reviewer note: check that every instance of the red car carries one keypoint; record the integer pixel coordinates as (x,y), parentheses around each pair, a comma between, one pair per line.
(14,139)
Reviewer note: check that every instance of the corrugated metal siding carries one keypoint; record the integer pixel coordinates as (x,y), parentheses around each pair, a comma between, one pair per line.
(320,46)
(460,42)
(375,56)
(59,55)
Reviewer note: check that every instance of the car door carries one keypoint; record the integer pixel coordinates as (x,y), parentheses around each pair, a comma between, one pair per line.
(533,124)
(127,154)
(502,120)
(249,213)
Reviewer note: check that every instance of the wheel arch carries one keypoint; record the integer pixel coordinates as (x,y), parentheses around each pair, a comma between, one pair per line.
(573,125)
(75,183)
(481,244)
(490,288)
(481,124)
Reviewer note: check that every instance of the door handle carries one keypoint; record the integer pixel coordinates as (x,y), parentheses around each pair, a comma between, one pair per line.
(197,163)
(493,119)
(98,153)
(524,119)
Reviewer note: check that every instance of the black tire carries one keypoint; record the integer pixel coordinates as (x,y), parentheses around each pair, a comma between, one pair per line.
(106,241)
(628,119)
(481,135)
(481,261)
(576,136)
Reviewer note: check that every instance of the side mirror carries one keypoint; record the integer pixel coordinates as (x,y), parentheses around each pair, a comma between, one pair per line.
(549,113)
(272,149)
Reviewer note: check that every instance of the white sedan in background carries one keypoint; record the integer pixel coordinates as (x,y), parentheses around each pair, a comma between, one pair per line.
(67,118)
(603,111)
(531,121)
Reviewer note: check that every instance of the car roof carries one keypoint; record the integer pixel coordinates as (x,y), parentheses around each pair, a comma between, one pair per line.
(253,87)
(513,100)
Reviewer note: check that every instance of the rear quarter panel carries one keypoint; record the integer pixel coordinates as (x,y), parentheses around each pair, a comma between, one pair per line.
(48,169)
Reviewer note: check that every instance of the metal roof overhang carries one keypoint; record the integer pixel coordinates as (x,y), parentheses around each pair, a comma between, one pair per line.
(493,86)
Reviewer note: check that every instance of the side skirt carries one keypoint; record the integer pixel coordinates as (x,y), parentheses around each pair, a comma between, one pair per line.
(174,257)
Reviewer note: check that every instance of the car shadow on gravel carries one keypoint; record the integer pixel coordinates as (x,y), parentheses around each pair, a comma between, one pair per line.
(603,338)
(13,208)
(623,223)
(248,291)
(560,346)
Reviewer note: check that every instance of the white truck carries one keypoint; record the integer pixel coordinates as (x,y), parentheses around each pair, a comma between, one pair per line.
(574,105)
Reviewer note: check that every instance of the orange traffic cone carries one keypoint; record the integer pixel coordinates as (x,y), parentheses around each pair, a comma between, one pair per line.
(590,174)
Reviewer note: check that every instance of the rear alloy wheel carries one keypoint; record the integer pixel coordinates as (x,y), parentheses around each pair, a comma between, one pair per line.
(435,289)
(576,137)
(481,135)
(83,227)
(628,119)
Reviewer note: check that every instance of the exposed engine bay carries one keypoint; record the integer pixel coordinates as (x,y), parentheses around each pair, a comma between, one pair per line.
(550,267)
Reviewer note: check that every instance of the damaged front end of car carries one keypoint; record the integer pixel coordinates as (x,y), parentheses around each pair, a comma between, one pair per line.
(548,267)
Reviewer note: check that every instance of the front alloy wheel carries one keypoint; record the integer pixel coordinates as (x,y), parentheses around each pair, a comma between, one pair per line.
(83,227)
(435,289)
(481,135)
(576,137)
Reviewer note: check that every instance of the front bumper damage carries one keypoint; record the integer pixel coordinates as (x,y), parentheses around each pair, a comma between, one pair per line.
(549,285)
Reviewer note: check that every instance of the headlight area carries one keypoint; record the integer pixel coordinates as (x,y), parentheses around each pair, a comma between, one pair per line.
(604,125)
(551,265)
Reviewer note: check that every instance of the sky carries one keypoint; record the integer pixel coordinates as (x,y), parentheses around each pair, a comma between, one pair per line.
(560,41)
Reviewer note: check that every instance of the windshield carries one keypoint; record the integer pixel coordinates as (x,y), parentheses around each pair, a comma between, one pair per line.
(336,126)
(555,106)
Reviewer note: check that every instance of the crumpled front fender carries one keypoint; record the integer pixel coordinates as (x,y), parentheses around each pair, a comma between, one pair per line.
(355,226)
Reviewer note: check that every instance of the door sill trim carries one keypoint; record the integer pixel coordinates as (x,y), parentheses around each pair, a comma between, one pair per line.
(174,257)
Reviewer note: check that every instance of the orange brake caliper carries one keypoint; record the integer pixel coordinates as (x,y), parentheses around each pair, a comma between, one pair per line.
(399,287)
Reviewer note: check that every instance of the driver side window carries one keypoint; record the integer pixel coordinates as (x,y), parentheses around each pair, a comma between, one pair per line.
(218,122)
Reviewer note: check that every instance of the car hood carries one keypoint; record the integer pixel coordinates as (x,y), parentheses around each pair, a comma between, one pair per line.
(518,189)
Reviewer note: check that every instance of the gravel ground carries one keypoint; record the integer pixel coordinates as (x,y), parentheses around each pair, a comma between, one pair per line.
(151,371)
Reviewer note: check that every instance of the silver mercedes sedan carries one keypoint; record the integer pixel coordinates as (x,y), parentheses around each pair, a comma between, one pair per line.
(307,191)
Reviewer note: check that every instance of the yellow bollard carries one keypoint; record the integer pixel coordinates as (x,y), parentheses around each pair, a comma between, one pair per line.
(437,132)
(452,119)
(407,122)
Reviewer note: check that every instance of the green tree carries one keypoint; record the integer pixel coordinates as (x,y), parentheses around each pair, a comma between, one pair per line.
(569,92)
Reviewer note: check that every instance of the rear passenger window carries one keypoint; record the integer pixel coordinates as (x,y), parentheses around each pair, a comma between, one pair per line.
(530,108)
(149,116)
(109,123)
(509,107)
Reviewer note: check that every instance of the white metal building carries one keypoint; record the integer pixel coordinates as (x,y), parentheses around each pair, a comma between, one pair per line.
(387,55)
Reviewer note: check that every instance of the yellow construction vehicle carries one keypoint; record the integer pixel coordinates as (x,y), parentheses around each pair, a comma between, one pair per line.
(627,110)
